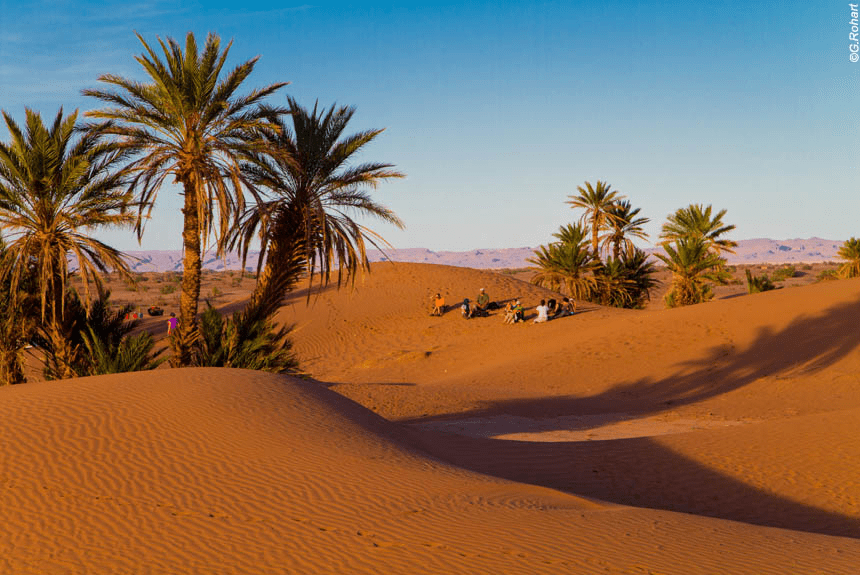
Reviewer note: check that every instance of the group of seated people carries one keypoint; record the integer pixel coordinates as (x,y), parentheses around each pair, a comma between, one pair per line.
(480,308)
(514,311)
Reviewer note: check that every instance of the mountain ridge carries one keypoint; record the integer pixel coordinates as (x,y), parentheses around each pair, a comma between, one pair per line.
(751,251)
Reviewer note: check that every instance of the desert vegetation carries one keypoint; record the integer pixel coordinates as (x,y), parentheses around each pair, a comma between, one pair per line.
(574,263)
(244,174)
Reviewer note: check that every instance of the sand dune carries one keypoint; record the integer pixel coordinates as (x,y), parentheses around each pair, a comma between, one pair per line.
(718,438)
(223,471)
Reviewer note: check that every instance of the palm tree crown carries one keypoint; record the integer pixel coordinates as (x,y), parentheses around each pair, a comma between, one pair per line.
(307,221)
(696,221)
(52,190)
(624,225)
(850,251)
(188,122)
(597,202)
(566,263)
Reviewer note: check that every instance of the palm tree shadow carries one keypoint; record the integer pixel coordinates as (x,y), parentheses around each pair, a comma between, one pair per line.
(637,472)
(807,345)
(640,471)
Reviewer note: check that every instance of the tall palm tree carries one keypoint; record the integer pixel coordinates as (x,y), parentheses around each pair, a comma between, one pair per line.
(306,223)
(597,202)
(694,267)
(695,221)
(54,190)
(850,251)
(624,225)
(566,264)
(188,122)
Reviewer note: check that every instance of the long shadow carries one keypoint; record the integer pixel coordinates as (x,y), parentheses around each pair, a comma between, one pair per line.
(637,472)
(807,345)
(640,471)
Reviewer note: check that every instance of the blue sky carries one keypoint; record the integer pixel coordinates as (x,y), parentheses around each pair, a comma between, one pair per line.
(498,111)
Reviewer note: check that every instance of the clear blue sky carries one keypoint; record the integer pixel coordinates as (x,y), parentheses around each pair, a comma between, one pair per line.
(498,111)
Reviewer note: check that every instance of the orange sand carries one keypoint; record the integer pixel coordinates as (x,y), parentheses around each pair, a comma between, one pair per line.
(719,438)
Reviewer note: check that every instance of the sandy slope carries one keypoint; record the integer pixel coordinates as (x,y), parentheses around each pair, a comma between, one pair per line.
(729,444)
(222,471)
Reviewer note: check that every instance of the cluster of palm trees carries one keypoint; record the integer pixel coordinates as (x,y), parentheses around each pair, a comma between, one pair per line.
(247,170)
(596,259)
(574,262)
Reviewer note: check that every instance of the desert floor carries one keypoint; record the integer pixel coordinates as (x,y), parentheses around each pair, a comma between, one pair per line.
(718,438)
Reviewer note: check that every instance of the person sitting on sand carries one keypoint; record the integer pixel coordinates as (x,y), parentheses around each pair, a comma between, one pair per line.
(172,322)
(482,303)
(466,309)
(567,307)
(542,311)
(510,317)
(519,312)
(438,305)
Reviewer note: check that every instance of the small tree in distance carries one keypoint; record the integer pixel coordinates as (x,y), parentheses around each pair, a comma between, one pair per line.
(850,251)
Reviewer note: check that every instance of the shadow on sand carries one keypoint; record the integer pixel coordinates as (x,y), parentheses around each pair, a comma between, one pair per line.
(640,471)
(807,345)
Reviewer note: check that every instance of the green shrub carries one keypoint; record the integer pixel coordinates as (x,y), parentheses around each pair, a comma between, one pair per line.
(758,284)
(783,273)
(247,340)
(168,289)
(132,353)
(827,275)
(807,267)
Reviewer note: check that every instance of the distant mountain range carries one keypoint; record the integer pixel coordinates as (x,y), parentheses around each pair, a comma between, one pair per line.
(748,251)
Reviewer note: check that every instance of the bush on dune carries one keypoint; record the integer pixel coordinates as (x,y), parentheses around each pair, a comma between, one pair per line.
(243,341)
(783,273)
(758,284)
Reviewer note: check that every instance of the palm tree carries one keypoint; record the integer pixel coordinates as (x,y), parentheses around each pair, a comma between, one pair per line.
(850,251)
(623,225)
(314,190)
(694,221)
(597,202)
(188,122)
(566,264)
(694,267)
(640,271)
(54,190)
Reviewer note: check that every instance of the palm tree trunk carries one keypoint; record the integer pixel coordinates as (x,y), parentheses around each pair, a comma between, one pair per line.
(594,240)
(285,261)
(10,367)
(189,299)
(63,354)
